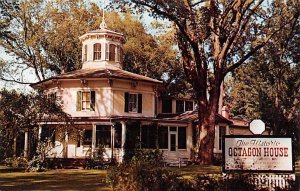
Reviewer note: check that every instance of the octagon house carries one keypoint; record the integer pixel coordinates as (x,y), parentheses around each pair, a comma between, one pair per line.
(117,109)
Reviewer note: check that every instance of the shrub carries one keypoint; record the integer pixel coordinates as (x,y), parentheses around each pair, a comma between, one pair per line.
(138,176)
(16,162)
(143,172)
(39,162)
(96,160)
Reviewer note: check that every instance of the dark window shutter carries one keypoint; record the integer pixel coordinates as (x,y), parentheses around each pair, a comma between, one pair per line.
(126,102)
(140,103)
(93,98)
(78,102)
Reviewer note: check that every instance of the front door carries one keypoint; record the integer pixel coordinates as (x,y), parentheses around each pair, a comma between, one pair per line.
(173,142)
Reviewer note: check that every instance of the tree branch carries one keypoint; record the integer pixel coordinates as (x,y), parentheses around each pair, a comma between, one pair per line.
(255,49)
(14,81)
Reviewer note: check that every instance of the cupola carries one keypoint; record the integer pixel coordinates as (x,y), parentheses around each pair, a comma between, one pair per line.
(102,48)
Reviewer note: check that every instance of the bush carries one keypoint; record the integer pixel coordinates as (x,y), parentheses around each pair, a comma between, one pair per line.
(96,160)
(16,162)
(144,172)
(145,177)
(37,164)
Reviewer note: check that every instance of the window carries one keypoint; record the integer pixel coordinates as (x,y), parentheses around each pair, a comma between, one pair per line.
(133,102)
(85,101)
(87,138)
(183,106)
(48,134)
(181,137)
(84,53)
(106,51)
(167,105)
(163,137)
(148,137)
(112,52)
(97,51)
(103,136)
(179,106)
(222,132)
(120,53)
(189,106)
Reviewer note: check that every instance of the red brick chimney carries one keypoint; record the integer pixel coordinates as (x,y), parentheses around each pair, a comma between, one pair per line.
(225,112)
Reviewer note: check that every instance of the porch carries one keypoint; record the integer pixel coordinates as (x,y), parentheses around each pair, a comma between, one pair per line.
(115,140)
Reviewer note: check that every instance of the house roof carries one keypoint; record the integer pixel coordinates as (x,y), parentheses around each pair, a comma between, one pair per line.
(110,73)
(102,31)
(240,122)
(192,116)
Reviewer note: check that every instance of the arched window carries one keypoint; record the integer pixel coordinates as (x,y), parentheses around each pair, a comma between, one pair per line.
(97,51)
(84,58)
(112,52)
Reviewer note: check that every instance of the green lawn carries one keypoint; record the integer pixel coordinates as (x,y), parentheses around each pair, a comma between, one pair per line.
(79,179)
(66,179)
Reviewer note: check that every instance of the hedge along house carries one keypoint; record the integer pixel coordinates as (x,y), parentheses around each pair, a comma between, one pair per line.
(116,109)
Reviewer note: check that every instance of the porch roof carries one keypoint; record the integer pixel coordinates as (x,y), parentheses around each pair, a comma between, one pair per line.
(192,116)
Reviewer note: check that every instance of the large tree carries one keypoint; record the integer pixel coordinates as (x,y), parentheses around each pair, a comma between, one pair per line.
(269,87)
(214,38)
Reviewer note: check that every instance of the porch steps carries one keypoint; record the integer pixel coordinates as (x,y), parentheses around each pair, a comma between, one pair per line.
(175,159)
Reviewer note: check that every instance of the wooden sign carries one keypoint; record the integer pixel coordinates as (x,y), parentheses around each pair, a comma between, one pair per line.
(257,153)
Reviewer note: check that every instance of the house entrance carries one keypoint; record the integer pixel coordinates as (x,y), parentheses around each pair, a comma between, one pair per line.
(173,141)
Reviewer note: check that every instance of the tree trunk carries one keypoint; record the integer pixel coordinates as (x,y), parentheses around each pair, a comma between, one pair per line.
(206,139)
(206,128)
(276,108)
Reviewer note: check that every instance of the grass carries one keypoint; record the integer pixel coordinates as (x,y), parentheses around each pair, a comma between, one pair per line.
(63,179)
(79,179)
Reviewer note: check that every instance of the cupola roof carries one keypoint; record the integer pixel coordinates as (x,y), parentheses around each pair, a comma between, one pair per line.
(102,31)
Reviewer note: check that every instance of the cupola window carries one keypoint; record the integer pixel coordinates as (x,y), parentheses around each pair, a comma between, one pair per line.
(97,51)
(112,52)
(85,53)
(118,54)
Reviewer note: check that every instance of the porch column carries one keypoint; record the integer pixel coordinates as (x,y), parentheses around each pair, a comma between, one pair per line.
(112,141)
(190,140)
(123,138)
(93,138)
(66,145)
(26,144)
(123,134)
(40,132)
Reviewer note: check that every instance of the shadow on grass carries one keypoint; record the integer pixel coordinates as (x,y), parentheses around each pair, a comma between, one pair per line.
(78,179)
(10,170)
(55,180)
(196,169)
